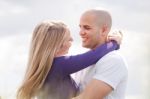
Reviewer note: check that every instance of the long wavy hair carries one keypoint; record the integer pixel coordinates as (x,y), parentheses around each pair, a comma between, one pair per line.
(47,38)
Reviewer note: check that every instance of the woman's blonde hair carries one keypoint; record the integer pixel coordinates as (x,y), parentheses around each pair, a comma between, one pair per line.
(47,38)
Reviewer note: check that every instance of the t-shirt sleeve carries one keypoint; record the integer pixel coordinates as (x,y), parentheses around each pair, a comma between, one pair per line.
(111,70)
(72,64)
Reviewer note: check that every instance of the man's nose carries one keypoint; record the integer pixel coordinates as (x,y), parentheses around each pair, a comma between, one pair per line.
(82,32)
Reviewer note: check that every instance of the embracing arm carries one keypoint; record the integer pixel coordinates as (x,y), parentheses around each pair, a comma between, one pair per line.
(96,89)
(72,64)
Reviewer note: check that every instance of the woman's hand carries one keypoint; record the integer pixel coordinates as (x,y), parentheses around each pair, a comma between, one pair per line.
(117,36)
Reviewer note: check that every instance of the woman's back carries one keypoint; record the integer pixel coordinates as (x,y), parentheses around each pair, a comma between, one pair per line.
(58,86)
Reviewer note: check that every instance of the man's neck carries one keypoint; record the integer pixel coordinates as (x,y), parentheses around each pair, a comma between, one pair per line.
(99,44)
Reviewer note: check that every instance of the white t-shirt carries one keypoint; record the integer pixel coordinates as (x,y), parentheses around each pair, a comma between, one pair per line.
(111,69)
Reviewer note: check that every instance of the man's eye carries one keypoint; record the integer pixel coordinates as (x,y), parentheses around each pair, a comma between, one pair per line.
(87,28)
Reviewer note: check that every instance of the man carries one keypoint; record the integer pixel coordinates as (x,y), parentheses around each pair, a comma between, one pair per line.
(108,78)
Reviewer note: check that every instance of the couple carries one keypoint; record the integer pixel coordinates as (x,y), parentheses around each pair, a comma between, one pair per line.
(48,72)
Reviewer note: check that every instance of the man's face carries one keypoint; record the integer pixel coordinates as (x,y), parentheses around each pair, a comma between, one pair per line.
(89,31)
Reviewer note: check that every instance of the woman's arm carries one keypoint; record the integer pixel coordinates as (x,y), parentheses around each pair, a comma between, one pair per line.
(72,64)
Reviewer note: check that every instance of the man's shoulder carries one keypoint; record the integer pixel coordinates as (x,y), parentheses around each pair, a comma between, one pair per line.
(114,59)
(114,55)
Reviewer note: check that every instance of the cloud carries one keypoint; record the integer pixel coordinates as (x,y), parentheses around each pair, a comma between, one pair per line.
(11,17)
(13,58)
(21,16)
(8,9)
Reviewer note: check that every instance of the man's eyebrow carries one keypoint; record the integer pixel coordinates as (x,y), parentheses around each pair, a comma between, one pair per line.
(87,26)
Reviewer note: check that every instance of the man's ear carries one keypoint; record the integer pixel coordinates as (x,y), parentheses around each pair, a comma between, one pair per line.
(104,30)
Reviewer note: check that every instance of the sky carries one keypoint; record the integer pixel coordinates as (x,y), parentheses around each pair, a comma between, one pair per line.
(19,17)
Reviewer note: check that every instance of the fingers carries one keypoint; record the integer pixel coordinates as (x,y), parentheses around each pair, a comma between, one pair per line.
(117,36)
(118,40)
(120,33)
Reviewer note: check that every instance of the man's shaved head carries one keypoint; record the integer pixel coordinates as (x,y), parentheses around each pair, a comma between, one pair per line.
(101,17)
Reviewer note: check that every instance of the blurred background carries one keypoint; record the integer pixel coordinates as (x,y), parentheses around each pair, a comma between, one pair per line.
(19,17)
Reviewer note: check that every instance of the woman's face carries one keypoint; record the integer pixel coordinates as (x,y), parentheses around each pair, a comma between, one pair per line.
(66,45)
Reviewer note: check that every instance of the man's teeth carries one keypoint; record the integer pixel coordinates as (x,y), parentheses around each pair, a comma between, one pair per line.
(84,39)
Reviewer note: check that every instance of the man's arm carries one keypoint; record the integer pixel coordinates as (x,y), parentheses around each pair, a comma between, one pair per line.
(96,89)
(110,71)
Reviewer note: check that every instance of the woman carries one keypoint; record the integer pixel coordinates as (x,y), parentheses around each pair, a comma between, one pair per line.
(48,72)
